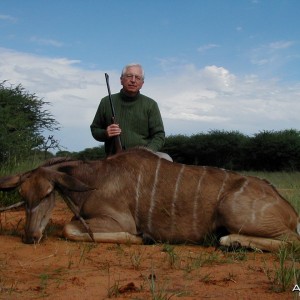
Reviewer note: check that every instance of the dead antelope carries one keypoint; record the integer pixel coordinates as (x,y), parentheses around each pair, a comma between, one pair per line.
(136,195)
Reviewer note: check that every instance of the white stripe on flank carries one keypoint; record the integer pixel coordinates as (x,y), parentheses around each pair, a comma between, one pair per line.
(152,199)
(223,185)
(137,197)
(196,200)
(241,190)
(175,196)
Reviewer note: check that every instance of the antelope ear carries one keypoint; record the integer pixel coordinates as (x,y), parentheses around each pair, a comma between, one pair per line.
(9,182)
(36,187)
(69,182)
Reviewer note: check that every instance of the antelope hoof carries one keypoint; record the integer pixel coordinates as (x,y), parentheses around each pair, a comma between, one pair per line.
(228,242)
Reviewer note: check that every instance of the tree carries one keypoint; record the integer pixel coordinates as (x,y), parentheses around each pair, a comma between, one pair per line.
(175,146)
(219,148)
(94,153)
(275,151)
(23,120)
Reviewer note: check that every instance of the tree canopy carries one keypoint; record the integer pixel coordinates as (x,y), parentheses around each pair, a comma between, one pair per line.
(23,120)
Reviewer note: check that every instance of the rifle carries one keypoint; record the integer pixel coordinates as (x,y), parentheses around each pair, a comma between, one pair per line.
(117,140)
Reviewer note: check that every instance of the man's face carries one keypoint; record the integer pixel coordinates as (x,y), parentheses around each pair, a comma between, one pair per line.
(132,81)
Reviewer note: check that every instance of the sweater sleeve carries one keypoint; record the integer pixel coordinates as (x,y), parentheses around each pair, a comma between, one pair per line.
(99,124)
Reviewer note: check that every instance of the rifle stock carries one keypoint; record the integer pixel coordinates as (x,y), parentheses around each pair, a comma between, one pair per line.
(117,140)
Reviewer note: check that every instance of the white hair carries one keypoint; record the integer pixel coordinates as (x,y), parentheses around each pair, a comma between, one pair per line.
(133,65)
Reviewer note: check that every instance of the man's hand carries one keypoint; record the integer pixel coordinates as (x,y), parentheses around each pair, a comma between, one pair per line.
(113,130)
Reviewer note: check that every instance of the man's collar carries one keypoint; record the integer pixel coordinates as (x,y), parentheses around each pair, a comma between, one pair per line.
(127,97)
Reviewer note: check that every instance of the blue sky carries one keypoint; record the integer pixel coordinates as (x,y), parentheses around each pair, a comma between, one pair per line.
(213,64)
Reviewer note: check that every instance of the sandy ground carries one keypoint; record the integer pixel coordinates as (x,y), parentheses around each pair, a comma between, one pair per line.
(60,269)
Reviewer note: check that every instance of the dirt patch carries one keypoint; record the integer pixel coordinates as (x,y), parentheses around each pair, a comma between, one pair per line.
(60,269)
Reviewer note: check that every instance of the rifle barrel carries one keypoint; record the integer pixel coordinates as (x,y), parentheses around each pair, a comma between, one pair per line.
(118,144)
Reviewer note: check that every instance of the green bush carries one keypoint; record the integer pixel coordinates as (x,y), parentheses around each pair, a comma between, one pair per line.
(267,150)
(274,151)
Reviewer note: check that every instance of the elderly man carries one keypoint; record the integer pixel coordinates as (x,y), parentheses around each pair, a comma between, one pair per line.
(139,121)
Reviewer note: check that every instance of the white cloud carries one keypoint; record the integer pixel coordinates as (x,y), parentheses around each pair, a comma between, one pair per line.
(8,18)
(191,100)
(207,47)
(272,53)
(46,42)
(281,45)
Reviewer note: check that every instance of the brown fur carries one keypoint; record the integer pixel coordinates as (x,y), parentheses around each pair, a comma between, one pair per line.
(136,194)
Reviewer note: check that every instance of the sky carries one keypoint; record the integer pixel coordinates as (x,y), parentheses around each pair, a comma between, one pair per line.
(231,65)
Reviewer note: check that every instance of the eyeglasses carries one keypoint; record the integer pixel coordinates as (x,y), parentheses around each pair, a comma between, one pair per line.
(131,76)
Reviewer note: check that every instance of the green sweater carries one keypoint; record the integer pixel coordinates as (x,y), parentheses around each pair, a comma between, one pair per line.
(139,118)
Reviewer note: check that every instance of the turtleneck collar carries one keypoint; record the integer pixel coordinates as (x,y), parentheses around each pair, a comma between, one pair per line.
(128,98)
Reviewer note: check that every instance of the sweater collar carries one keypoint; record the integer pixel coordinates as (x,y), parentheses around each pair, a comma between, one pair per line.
(128,98)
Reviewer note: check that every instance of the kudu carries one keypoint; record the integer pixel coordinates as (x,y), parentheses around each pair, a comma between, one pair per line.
(136,195)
